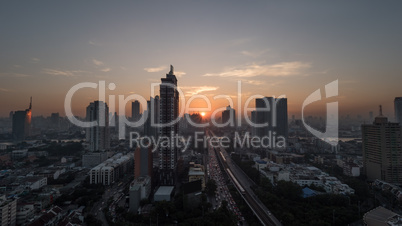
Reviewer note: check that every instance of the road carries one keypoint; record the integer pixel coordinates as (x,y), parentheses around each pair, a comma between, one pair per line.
(261,211)
(222,193)
(114,191)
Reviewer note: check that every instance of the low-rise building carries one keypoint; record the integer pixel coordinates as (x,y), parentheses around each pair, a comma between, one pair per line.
(196,172)
(92,159)
(163,193)
(34,182)
(110,170)
(140,189)
(381,216)
(25,213)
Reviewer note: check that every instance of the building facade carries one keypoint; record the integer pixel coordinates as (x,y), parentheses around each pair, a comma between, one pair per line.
(22,123)
(229,117)
(98,136)
(398,109)
(143,162)
(169,112)
(273,112)
(8,211)
(382,150)
(112,169)
(135,110)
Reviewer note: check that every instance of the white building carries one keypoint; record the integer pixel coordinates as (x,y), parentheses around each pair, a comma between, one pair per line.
(8,211)
(35,183)
(110,170)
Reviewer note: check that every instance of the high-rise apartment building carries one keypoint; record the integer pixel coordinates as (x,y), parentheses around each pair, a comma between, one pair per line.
(143,162)
(98,136)
(22,123)
(273,112)
(382,150)
(150,128)
(398,109)
(229,116)
(135,110)
(169,112)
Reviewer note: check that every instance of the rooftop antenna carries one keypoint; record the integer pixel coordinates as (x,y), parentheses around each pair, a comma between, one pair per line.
(30,103)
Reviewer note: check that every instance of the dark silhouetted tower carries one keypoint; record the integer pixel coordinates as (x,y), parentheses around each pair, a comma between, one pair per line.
(22,123)
(135,110)
(169,112)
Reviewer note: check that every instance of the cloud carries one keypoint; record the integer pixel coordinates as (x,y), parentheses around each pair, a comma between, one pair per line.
(155,69)
(62,73)
(17,75)
(4,90)
(273,70)
(17,66)
(97,62)
(253,82)
(179,73)
(254,54)
(106,69)
(94,43)
(193,90)
(34,59)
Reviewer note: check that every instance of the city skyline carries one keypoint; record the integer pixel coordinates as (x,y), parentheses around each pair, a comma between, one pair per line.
(274,49)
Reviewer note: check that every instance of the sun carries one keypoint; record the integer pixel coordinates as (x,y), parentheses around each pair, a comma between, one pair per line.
(202,114)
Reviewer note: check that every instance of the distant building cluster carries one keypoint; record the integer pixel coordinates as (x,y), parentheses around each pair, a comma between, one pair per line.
(303,175)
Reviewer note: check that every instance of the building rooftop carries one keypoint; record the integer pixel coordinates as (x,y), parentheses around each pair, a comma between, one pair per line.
(379,216)
(196,173)
(164,190)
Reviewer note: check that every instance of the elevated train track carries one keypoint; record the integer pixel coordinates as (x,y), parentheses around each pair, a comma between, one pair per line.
(264,215)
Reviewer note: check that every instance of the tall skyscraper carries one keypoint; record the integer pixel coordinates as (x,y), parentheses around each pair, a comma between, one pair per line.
(281,117)
(274,112)
(253,120)
(22,123)
(153,113)
(382,150)
(169,111)
(135,110)
(398,109)
(229,115)
(55,121)
(143,162)
(98,137)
